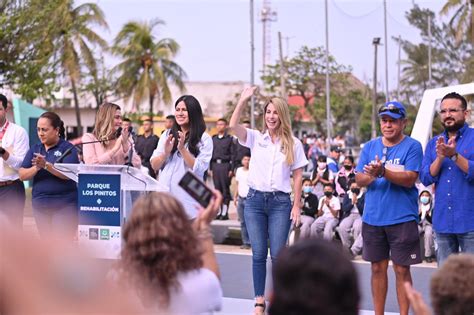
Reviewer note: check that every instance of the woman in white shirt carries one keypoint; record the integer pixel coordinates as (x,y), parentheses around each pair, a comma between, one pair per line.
(186,146)
(168,261)
(276,154)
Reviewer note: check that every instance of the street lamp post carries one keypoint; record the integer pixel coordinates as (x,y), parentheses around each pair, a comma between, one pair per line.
(375,42)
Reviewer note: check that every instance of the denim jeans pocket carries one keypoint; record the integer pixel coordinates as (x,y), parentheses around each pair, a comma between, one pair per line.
(282,197)
(251,193)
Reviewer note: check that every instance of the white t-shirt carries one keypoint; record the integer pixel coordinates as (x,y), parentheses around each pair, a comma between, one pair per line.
(334,203)
(175,168)
(199,293)
(268,170)
(15,141)
(241,176)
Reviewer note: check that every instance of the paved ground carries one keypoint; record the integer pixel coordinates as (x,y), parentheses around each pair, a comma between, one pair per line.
(235,264)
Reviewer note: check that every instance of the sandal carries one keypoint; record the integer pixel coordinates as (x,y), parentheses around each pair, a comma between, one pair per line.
(263,306)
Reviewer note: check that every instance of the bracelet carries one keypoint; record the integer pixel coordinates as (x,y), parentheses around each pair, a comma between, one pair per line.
(383,171)
(46,167)
(204,234)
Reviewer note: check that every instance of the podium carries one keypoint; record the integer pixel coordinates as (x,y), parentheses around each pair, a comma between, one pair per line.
(105,198)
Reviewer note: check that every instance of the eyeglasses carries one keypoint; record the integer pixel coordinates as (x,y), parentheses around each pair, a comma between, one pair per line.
(451,111)
(392,109)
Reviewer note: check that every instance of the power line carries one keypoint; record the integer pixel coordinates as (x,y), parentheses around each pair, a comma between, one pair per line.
(355,16)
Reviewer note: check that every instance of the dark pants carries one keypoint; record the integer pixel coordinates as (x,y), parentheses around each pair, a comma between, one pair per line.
(12,203)
(220,175)
(56,220)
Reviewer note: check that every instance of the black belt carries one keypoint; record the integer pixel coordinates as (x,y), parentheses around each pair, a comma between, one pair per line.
(220,161)
(8,182)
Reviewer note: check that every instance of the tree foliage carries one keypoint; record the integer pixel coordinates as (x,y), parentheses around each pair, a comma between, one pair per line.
(462,20)
(147,65)
(306,77)
(448,60)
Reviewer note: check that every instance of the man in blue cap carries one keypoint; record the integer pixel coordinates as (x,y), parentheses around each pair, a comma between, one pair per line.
(388,167)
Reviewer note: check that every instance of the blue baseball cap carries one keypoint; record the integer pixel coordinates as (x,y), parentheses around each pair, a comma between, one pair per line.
(396,110)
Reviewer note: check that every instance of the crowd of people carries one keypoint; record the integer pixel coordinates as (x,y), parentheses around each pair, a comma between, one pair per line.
(374,207)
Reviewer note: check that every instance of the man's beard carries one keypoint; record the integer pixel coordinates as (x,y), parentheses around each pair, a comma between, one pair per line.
(455,127)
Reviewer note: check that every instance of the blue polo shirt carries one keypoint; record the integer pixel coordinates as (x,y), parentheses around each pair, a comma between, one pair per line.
(454,206)
(387,203)
(49,190)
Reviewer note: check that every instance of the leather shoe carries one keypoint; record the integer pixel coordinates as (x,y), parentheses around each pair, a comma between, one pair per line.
(224,217)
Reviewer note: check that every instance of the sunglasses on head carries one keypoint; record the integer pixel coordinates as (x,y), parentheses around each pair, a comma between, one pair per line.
(392,109)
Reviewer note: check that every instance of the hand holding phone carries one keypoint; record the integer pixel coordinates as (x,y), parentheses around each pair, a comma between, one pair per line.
(196,188)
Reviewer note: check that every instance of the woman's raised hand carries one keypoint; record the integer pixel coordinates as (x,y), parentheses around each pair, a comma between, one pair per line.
(169,144)
(247,93)
(205,216)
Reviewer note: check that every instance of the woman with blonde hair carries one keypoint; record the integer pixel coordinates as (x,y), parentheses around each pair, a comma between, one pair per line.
(116,146)
(276,154)
(169,261)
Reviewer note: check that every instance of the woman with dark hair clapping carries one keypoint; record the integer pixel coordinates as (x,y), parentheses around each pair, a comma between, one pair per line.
(54,195)
(186,146)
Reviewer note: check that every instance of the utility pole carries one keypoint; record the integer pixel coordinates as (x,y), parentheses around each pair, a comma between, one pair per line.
(429,51)
(267,15)
(328,104)
(386,49)
(282,70)
(375,42)
(252,66)
(399,66)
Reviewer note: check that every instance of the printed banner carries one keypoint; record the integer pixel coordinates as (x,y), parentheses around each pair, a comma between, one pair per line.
(99,201)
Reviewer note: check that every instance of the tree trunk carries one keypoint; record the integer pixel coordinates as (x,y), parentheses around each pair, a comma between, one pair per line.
(76,108)
(152,98)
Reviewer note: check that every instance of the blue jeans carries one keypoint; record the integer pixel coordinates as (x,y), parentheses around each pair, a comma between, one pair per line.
(267,215)
(451,243)
(243,226)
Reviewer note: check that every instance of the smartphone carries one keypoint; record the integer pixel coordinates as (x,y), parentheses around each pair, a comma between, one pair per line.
(196,188)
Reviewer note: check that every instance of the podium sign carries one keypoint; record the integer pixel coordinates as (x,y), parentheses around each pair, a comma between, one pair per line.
(100,214)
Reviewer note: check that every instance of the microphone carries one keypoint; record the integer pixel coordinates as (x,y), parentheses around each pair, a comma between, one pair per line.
(63,156)
(118,132)
(68,151)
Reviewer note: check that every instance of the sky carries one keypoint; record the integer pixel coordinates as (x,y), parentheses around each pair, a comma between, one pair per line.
(214,35)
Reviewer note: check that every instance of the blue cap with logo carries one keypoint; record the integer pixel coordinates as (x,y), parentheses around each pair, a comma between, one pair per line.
(396,110)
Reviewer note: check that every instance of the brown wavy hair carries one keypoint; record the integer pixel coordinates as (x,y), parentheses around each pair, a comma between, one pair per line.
(452,286)
(104,121)
(158,243)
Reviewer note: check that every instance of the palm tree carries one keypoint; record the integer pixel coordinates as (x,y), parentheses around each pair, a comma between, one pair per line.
(462,20)
(147,65)
(74,40)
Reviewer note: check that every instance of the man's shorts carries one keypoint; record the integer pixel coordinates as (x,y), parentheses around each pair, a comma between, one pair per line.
(400,242)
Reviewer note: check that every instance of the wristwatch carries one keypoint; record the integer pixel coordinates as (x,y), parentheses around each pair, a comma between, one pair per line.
(454,157)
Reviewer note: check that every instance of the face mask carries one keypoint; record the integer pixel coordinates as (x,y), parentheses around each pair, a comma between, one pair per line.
(307,189)
(322,165)
(355,190)
(424,200)
(348,167)
(328,194)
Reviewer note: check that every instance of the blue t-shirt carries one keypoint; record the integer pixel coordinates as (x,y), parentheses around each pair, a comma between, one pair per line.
(49,190)
(385,202)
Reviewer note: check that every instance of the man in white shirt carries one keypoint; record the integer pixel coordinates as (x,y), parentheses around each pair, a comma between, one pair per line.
(14,145)
(241,192)
(328,214)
